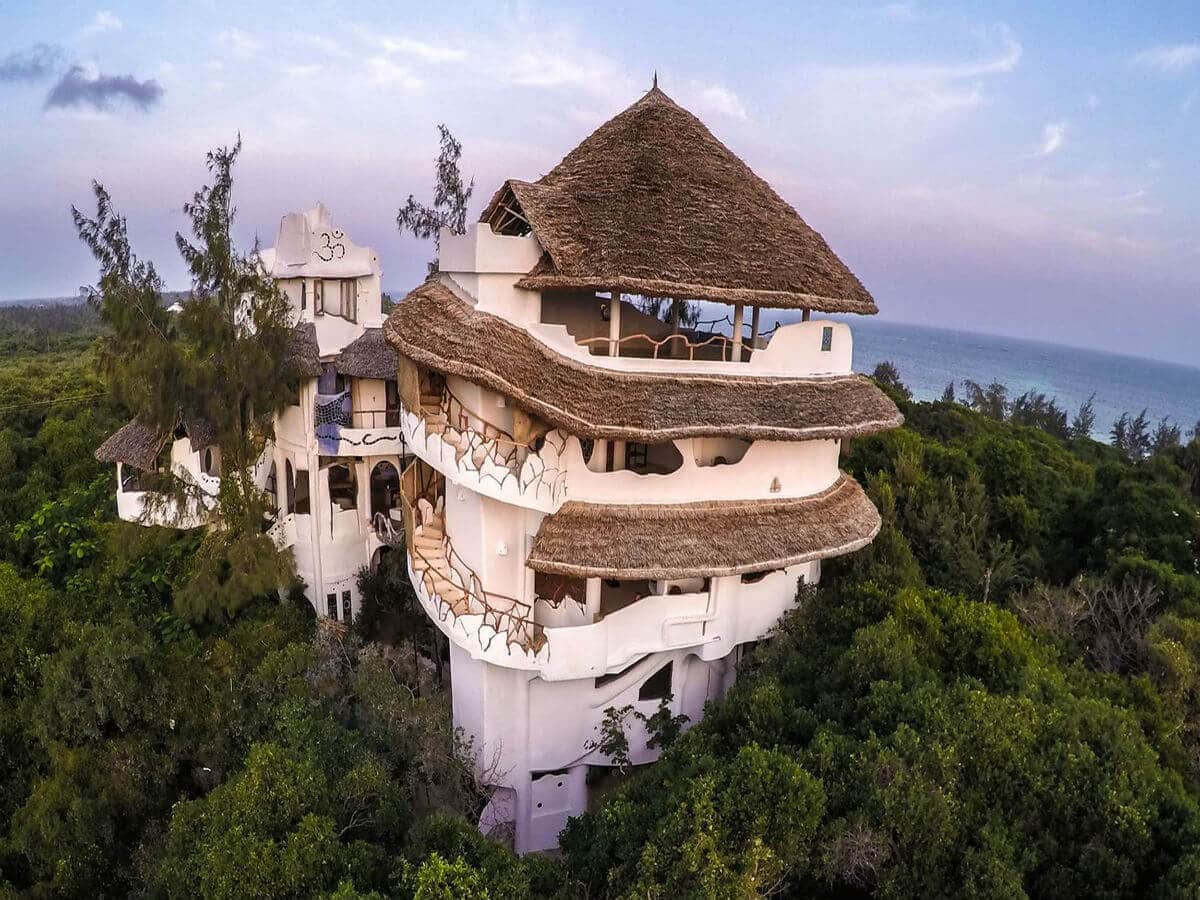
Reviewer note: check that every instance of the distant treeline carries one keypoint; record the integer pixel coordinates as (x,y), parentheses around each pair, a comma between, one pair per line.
(1135,435)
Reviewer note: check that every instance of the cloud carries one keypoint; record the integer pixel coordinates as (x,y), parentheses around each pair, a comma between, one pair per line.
(907,100)
(382,72)
(712,98)
(433,53)
(80,86)
(103,21)
(302,70)
(1092,101)
(1054,135)
(239,42)
(1170,59)
(33,64)
(894,12)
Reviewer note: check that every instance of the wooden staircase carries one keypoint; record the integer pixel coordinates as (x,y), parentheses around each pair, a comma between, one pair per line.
(464,441)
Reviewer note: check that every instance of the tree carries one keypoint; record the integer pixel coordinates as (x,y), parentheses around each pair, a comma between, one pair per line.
(1084,421)
(992,401)
(223,361)
(888,376)
(450,199)
(948,393)
(1167,437)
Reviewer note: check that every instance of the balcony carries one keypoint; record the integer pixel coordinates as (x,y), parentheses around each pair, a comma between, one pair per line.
(345,431)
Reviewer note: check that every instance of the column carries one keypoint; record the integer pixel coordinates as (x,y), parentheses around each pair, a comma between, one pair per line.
(592,598)
(614,323)
(739,317)
(754,317)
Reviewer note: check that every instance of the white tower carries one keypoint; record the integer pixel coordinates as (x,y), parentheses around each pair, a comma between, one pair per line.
(606,506)
(334,466)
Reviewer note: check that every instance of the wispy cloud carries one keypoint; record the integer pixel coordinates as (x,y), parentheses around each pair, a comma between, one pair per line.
(302,70)
(239,42)
(894,12)
(383,72)
(432,53)
(1171,59)
(103,22)
(1092,101)
(712,98)
(80,86)
(1054,135)
(906,99)
(33,64)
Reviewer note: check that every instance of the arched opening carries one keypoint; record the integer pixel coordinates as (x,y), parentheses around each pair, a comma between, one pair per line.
(343,485)
(653,459)
(297,489)
(719,451)
(210,461)
(385,488)
(271,487)
(379,556)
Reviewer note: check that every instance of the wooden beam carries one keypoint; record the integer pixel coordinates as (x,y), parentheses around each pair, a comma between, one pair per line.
(739,317)
(614,324)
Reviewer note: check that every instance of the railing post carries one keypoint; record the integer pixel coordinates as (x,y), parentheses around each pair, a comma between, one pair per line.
(739,316)
(754,317)
(614,323)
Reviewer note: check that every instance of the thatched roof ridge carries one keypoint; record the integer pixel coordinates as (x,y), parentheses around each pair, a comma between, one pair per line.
(713,538)
(134,443)
(304,349)
(436,329)
(368,356)
(652,203)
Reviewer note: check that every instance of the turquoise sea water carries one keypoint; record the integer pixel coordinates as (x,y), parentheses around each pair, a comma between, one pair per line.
(929,358)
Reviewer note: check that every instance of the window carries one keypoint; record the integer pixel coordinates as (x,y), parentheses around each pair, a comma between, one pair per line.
(609,679)
(826,338)
(331,605)
(208,463)
(348,296)
(304,295)
(347,607)
(391,403)
(297,489)
(343,486)
(319,297)
(658,685)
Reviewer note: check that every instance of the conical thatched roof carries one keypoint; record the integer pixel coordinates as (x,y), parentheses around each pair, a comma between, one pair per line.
(651,203)
(678,540)
(368,356)
(436,329)
(134,443)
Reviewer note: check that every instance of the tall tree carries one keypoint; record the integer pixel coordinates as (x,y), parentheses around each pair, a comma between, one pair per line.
(1084,420)
(223,361)
(450,198)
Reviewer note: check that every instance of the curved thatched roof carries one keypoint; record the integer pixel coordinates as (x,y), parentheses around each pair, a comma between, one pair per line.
(679,540)
(305,350)
(436,329)
(651,203)
(134,443)
(368,356)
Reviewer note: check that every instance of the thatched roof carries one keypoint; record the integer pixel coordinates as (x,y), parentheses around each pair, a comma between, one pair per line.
(201,433)
(305,350)
(436,329)
(651,203)
(134,443)
(679,540)
(368,356)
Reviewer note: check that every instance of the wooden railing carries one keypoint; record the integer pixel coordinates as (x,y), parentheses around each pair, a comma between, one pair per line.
(499,612)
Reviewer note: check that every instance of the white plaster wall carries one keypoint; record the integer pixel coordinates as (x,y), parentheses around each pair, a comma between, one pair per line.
(801,467)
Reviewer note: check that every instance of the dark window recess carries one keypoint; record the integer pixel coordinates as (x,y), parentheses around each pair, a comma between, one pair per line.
(304,295)
(658,685)
(347,607)
(348,299)
(587,445)
(755,577)
(392,403)
(319,297)
(827,338)
(331,605)
(608,679)
(300,504)
(343,486)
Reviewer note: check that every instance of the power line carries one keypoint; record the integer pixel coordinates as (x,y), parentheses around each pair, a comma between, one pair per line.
(52,402)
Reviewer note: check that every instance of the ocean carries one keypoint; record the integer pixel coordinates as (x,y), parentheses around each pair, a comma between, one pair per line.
(930,358)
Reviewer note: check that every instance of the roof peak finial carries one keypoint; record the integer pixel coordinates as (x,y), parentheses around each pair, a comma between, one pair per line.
(654,86)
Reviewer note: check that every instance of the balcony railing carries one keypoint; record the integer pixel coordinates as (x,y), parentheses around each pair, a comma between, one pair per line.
(697,342)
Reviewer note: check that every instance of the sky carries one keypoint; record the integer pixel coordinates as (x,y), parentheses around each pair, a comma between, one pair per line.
(1016,168)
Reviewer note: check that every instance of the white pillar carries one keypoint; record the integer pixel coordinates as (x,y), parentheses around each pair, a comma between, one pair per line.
(739,317)
(592,598)
(754,317)
(614,323)
(618,456)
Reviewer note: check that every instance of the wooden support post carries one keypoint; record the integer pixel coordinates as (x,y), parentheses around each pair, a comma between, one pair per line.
(618,456)
(754,317)
(614,324)
(806,316)
(592,598)
(739,318)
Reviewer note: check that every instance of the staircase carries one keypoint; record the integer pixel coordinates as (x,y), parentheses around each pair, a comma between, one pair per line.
(485,454)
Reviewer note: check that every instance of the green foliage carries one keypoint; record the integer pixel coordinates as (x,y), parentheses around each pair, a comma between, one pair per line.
(450,198)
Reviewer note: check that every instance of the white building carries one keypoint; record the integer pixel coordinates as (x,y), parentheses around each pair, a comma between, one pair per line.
(334,466)
(606,508)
